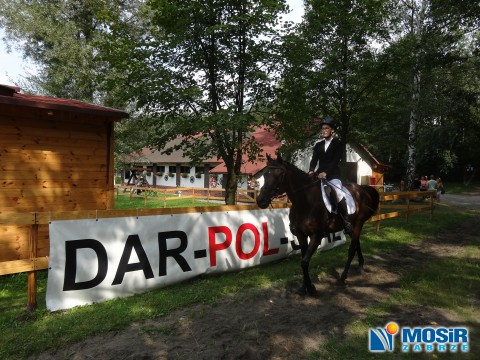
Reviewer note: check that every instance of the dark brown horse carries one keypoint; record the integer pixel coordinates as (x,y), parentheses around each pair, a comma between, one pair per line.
(309,215)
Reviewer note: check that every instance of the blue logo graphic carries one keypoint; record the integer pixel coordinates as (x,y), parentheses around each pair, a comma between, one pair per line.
(382,340)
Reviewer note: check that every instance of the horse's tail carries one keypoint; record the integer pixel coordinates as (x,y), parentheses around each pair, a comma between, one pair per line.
(375,198)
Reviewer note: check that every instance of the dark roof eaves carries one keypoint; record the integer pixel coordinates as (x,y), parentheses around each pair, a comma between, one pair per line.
(61,107)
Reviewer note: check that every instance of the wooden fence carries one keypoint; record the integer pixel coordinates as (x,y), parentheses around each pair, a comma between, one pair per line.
(203,194)
(393,204)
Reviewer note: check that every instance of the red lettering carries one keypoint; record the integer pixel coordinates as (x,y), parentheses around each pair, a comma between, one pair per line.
(238,245)
(213,245)
(266,250)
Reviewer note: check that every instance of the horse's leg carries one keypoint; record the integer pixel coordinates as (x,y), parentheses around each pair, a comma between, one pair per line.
(361,260)
(312,247)
(354,244)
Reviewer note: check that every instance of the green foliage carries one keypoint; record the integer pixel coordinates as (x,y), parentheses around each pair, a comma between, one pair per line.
(60,37)
(331,65)
(202,73)
(209,72)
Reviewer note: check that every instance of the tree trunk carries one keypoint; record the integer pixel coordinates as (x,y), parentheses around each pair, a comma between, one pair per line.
(418,10)
(231,188)
(412,132)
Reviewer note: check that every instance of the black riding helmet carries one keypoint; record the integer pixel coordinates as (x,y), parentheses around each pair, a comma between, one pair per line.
(330,122)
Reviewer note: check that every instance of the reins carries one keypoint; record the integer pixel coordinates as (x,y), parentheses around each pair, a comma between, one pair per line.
(314,182)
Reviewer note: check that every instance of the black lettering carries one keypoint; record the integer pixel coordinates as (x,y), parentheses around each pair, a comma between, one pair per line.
(71,247)
(133,241)
(164,253)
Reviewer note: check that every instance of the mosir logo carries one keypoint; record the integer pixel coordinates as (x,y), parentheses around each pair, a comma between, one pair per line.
(419,339)
(381,340)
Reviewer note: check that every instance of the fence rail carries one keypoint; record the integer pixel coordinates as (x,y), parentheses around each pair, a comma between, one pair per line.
(413,202)
(205,194)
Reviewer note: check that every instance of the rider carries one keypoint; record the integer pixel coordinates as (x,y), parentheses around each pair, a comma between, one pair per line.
(327,153)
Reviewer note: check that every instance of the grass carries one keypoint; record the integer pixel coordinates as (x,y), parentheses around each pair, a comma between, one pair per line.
(125,202)
(460,187)
(24,334)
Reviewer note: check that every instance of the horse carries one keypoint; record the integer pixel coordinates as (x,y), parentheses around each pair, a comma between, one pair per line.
(309,215)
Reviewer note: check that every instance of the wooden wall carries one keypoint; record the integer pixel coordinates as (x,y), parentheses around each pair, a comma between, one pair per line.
(51,160)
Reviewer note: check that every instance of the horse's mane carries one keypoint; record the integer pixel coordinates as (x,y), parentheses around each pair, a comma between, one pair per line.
(300,173)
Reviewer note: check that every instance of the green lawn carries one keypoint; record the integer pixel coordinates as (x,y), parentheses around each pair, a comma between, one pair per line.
(124,202)
(459,187)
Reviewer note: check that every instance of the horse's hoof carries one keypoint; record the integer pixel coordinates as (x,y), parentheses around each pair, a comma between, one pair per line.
(341,282)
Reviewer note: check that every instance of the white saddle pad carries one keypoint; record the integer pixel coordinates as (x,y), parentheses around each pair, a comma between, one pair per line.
(348,197)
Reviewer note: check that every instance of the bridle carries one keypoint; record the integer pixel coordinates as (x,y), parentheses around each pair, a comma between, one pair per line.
(279,182)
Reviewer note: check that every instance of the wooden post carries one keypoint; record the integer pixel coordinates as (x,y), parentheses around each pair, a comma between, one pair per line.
(378,213)
(431,206)
(193,195)
(408,208)
(32,275)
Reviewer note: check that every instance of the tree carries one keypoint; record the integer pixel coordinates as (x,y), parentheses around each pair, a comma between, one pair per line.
(59,36)
(332,65)
(65,39)
(428,50)
(204,72)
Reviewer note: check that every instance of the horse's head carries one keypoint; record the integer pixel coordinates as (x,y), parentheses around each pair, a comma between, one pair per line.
(275,183)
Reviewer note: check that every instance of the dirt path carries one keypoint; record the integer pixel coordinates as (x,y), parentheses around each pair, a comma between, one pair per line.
(468,201)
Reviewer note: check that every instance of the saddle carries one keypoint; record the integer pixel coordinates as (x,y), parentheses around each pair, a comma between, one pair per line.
(330,198)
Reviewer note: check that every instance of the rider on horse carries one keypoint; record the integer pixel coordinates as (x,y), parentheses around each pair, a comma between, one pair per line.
(327,153)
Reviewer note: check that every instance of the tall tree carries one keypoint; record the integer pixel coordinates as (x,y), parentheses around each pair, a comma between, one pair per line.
(331,65)
(428,50)
(204,72)
(65,39)
(59,37)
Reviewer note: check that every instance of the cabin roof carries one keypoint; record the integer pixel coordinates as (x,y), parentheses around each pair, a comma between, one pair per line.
(267,142)
(11,95)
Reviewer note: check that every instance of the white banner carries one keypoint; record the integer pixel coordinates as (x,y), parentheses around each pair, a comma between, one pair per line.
(98,259)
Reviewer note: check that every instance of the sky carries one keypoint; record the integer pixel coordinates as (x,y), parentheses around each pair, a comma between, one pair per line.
(13,67)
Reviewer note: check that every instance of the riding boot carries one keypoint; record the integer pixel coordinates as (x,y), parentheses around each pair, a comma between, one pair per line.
(343,211)
(293,229)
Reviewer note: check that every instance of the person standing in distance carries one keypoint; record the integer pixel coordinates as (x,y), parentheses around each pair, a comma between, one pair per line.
(325,164)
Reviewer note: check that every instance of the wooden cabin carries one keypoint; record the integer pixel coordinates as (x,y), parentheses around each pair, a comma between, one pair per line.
(55,155)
